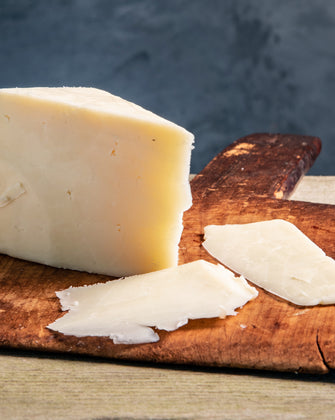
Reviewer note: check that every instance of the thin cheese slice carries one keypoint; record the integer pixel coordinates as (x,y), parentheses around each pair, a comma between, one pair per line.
(125,309)
(91,182)
(276,256)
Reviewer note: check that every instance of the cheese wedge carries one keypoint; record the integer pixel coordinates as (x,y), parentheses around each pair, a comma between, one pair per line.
(125,309)
(91,182)
(276,256)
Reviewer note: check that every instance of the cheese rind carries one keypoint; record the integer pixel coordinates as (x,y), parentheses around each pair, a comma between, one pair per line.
(125,309)
(105,181)
(276,256)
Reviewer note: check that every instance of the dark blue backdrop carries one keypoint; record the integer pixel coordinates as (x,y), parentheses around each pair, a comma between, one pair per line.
(220,68)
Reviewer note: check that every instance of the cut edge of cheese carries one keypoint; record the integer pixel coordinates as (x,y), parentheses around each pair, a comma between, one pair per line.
(127,310)
(276,256)
(89,99)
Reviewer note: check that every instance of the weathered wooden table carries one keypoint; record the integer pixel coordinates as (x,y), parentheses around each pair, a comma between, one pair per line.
(46,386)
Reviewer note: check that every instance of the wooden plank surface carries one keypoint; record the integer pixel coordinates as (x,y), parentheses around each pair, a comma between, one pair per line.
(48,387)
(315,189)
(37,385)
(238,186)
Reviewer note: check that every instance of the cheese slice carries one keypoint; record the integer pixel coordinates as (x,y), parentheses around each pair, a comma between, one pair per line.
(125,309)
(91,182)
(276,256)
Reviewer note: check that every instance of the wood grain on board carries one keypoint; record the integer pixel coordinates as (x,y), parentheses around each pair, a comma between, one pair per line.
(247,182)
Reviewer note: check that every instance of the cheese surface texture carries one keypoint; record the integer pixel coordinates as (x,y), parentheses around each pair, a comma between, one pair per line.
(89,181)
(276,256)
(125,309)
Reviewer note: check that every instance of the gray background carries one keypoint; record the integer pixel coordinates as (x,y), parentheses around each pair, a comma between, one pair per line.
(222,69)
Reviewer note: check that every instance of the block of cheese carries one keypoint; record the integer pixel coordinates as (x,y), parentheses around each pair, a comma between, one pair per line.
(276,256)
(125,309)
(89,181)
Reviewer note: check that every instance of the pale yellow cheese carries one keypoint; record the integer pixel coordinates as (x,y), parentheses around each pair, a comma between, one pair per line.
(89,181)
(125,309)
(276,256)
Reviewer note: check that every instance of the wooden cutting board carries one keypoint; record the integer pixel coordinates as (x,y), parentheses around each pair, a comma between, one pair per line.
(249,181)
